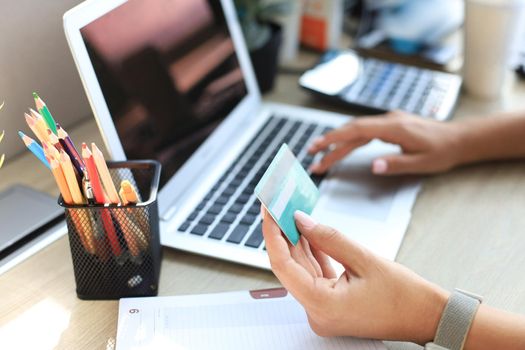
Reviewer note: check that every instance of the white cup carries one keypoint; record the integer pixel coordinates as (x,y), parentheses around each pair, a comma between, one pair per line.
(492,32)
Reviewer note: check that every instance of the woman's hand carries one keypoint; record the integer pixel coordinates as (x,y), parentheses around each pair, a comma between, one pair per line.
(373,298)
(428,146)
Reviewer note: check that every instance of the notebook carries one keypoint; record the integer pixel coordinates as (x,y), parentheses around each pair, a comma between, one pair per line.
(261,319)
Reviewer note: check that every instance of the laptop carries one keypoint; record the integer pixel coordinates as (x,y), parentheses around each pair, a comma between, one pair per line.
(172,80)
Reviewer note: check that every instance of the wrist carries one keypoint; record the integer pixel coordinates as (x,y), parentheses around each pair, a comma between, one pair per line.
(435,300)
(464,136)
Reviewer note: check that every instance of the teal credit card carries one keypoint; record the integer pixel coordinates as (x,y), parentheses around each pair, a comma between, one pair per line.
(284,188)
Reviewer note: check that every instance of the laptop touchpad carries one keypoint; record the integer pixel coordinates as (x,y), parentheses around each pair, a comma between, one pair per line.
(352,189)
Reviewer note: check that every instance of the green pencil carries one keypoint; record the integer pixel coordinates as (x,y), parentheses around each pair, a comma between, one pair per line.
(42,108)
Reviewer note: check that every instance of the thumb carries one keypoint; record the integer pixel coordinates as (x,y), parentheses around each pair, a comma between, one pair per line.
(399,164)
(333,243)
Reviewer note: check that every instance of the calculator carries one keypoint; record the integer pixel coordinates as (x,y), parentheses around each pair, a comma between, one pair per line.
(377,86)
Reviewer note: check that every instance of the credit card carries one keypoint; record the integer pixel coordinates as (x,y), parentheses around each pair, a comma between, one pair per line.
(284,188)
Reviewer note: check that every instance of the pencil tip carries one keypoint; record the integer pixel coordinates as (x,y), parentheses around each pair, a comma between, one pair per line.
(21,134)
(49,132)
(35,95)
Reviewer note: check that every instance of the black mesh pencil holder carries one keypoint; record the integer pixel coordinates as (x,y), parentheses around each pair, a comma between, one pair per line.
(116,249)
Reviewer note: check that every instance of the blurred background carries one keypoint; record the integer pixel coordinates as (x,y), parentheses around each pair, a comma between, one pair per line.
(37,58)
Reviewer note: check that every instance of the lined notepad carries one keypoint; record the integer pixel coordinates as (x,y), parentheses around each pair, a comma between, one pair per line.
(223,321)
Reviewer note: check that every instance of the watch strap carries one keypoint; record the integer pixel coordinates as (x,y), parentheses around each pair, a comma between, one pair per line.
(456,320)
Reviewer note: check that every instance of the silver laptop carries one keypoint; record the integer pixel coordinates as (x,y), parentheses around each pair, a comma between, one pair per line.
(172,80)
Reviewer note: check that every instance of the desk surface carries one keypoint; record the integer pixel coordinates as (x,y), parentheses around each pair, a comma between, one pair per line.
(467,231)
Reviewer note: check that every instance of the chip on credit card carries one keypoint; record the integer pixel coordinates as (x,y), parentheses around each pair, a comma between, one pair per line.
(284,188)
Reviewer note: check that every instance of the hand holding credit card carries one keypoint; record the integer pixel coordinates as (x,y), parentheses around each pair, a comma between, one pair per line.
(284,188)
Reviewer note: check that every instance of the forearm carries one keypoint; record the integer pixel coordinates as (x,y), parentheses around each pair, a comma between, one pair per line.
(496,329)
(495,138)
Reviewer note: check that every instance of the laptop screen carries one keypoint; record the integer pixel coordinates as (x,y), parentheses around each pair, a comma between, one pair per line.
(169,74)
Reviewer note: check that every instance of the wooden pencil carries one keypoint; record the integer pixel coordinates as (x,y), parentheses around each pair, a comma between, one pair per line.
(42,108)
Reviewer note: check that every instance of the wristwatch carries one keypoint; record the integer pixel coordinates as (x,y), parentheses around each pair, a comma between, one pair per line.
(455,321)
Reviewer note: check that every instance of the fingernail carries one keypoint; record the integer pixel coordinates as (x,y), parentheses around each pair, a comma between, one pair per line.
(379,166)
(305,220)
(262,212)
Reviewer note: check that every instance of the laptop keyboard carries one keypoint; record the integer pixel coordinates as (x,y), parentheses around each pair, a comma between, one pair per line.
(230,211)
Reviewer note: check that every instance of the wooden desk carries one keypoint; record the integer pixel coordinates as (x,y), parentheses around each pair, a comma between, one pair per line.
(467,230)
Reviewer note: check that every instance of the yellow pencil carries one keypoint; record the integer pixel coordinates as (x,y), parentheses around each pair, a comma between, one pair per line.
(105,177)
(128,192)
(69,173)
(40,123)
(31,122)
(85,237)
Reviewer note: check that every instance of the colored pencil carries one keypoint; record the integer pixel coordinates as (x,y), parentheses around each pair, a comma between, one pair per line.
(31,122)
(128,193)
(85,237)
(51,150)
(53,139)
(35,148)
(104,174)
(42,108)
(71,179)
(40,123)
(125,221)
(100,198)
(70,149)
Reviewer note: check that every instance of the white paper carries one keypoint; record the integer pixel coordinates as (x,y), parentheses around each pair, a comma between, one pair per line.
(222,321)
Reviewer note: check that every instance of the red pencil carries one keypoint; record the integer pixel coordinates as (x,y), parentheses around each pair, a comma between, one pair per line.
(101,198)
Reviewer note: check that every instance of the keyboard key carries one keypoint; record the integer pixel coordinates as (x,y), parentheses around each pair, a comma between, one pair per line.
(243,198)
(193,215)
(238,234)
(184,226)
(236,182)
(228,191)
(199,229)
(255,208)
(229,217)
(201,205)
(248,219)
(221,200)
(255,238)
(214,209)
(207,220)
(236,208)
(219,231)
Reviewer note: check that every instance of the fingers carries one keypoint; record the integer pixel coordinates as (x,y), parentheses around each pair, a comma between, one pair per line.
(301,254)
(333,243)
(305,247)
(362,129)
(292,275)
(324,262)
(401,164)
(334,156)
